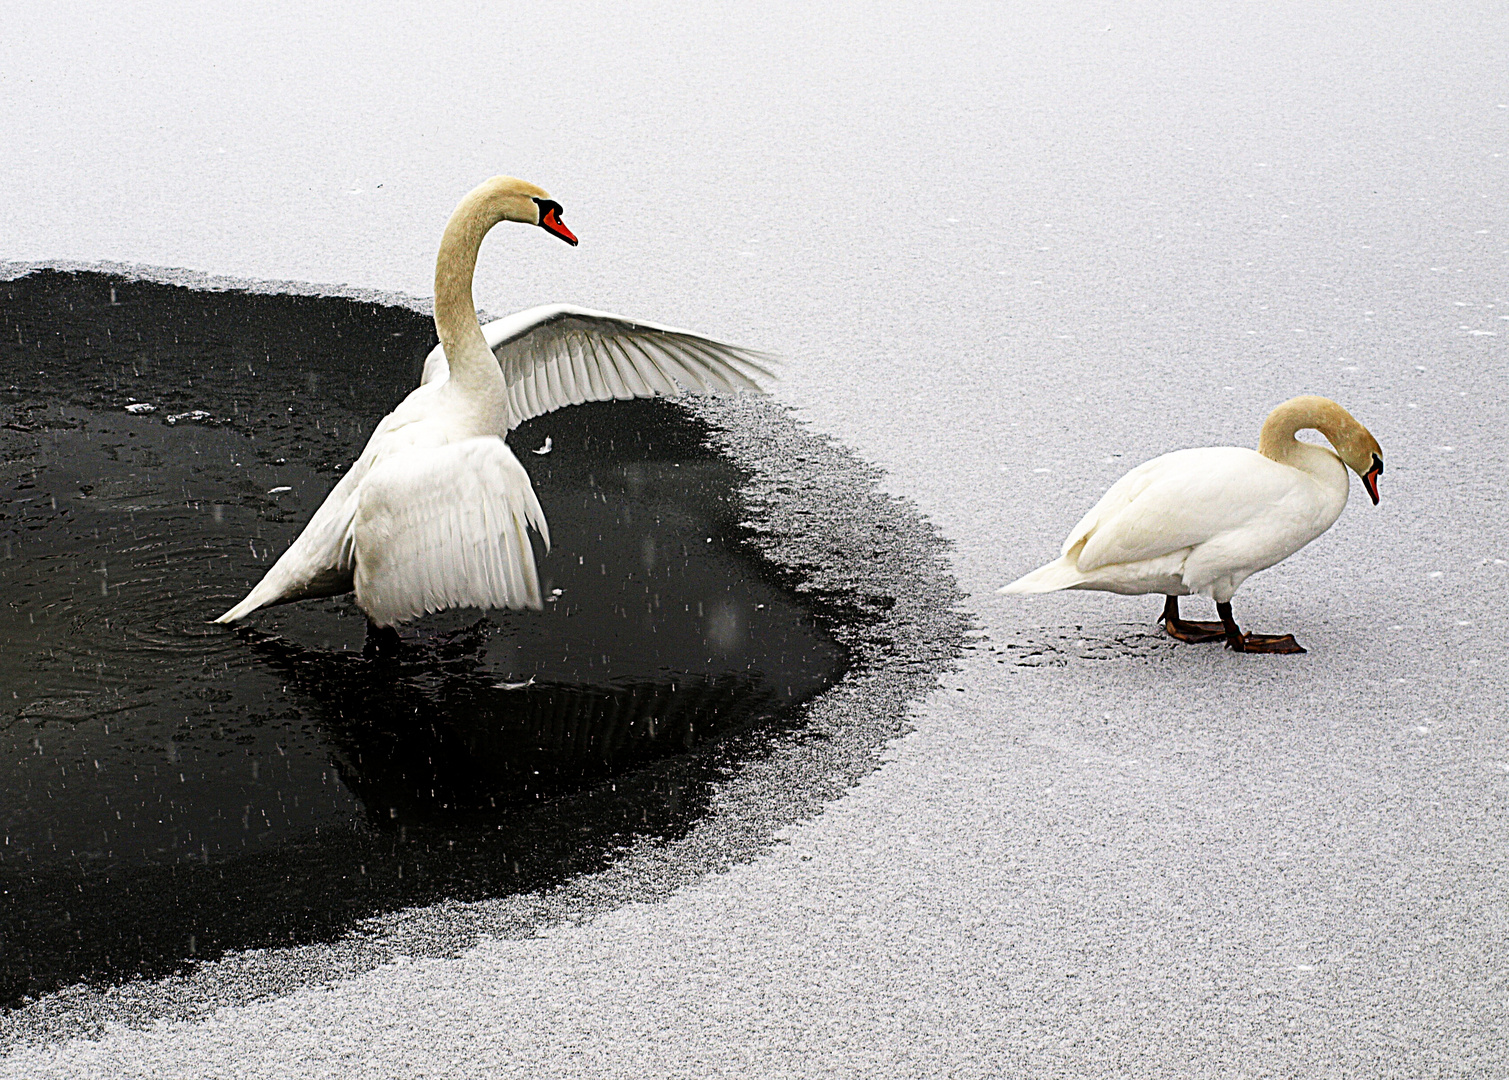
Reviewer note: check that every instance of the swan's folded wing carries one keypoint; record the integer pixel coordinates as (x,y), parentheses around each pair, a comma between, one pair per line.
(446,527)
(1120,495)
(1177,501)
(559,355)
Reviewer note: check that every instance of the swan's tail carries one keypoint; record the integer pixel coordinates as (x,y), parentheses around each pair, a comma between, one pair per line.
(248,605)
(269,590)
(273,584)
(1059,574)
(285,583)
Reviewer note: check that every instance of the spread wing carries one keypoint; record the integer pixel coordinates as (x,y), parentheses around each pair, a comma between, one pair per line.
(558,355)
(443,527)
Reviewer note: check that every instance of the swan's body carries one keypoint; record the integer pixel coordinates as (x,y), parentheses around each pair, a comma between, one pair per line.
(435,512)
(1205,520)
(1196,521)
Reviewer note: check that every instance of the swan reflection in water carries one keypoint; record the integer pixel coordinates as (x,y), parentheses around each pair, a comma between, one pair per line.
(429,736)
(471,788)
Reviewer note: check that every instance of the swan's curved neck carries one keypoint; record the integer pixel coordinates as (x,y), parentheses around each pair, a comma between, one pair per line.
(455,312)
(1277,440)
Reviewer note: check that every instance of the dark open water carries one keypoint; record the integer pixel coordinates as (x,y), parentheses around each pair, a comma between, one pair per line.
(171,789)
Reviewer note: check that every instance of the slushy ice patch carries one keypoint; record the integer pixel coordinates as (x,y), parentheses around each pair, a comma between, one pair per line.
(171,789)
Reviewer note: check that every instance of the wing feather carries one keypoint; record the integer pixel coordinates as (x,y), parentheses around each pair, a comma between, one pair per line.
(1175,502)
(548,380)
(730,371)
(651,370)
(600,390)
(579,373)
(532,396)
(566,372)
(666,365)
(607,363)
(623,363)
(446,526)
(686,364)
(560,355)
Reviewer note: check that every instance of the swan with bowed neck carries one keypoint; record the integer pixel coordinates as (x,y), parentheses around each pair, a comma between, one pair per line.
(1203,521)
(435,512)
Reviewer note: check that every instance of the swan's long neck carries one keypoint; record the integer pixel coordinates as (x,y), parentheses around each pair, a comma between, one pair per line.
(455,312)
(1320,414)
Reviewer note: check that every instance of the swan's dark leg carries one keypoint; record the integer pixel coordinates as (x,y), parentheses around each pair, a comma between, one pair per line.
(1180,630)
(1263,643)
(382,641)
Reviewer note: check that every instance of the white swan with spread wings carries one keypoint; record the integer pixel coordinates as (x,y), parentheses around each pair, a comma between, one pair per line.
(435,512)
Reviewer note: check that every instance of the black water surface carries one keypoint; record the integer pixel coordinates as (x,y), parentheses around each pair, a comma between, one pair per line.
(171,789)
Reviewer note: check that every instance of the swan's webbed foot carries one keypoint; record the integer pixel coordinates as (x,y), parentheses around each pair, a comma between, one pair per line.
(1271,643)
(1182,630)
(1255,643)
(382,641)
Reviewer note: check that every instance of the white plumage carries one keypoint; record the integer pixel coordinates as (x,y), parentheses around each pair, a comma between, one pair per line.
(557,354)
(445,526)
(1196,521)
(435,512)
(1205,520)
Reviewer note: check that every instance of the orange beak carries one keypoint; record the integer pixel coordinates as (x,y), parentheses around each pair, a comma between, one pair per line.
(1370,479)
(551,222)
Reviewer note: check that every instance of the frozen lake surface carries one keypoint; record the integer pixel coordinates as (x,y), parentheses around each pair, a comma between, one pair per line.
(1008,255)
